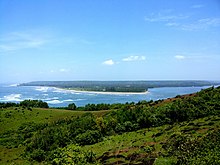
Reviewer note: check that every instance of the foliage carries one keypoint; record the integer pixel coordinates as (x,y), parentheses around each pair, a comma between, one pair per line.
(89,137)
(89,130)
(34,103)
(189,150)
(71,106)
(42,141)
(73,154)
(9,104)
(99,107)
(117,86)
(26,103)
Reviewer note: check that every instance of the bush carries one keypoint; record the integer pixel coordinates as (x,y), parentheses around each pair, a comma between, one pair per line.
(89,137)
(38,155)
(34,103)
(71,106)
(72,154)
(189,150)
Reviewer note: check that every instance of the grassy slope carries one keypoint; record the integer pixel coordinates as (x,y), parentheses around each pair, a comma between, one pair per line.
(130,147)
(133,147)
(12,118)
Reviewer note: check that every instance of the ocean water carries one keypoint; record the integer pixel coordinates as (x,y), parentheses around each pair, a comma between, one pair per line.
(58,97)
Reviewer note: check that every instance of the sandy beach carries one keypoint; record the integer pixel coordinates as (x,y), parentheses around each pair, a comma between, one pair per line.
(104,93)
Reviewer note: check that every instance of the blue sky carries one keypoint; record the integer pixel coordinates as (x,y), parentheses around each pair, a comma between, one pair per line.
(109,40)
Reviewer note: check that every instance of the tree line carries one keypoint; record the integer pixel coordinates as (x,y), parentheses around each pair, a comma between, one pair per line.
(26,103)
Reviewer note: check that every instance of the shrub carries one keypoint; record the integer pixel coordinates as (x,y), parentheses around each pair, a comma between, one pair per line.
(89,137)
(34,103)
(38,155)
(71,106)
(72,154)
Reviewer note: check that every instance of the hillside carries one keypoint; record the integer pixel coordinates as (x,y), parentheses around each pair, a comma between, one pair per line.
(183,130)
(154,145)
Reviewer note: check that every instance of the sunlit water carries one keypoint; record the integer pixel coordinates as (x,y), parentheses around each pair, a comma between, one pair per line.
(57,97)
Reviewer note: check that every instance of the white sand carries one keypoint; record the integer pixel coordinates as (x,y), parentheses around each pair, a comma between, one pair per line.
(107,93)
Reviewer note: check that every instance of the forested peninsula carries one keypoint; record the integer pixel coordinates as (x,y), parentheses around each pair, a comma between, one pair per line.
(118,86)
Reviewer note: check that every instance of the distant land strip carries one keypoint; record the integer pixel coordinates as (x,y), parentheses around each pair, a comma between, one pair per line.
(118,86)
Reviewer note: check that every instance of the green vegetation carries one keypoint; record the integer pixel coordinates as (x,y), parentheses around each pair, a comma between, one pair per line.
(183,130)
(117,86)
(26,103)
(156,144)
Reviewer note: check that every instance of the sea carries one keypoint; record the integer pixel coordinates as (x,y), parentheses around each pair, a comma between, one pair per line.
(56,97)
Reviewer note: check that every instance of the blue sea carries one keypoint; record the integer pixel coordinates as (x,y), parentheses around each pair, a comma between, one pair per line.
(58,97)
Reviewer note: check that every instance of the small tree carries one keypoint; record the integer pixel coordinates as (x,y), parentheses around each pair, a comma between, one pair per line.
(71,106)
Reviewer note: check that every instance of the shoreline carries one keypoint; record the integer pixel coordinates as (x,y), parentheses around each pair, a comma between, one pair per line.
(104,93)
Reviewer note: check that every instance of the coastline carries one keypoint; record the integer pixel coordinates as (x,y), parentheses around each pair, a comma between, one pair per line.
(104,93)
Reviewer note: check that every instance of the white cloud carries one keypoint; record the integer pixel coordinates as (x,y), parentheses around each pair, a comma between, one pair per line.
(22,40)
(64,70)
(134,58)
(201,24)
(165,17)
(179,57)
(54,102)
(172,24)
(197,6)
(109,62)
(210,21)
(183,21)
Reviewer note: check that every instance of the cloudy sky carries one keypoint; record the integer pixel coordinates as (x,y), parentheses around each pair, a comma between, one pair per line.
(109,40)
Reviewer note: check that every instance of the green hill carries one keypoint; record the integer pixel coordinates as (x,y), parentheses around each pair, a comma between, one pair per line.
(182,130)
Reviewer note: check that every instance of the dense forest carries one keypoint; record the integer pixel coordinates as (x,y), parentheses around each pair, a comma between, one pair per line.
(118,86)
(181,130)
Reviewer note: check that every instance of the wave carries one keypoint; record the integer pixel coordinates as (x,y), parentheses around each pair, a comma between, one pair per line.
(54,102)
(13,85)
(48,99)
(8,85)
(68,100)
(42,89)
(12,97)
(60,90)
(80,100)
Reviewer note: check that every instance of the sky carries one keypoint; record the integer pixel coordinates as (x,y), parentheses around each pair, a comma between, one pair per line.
(109,40)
